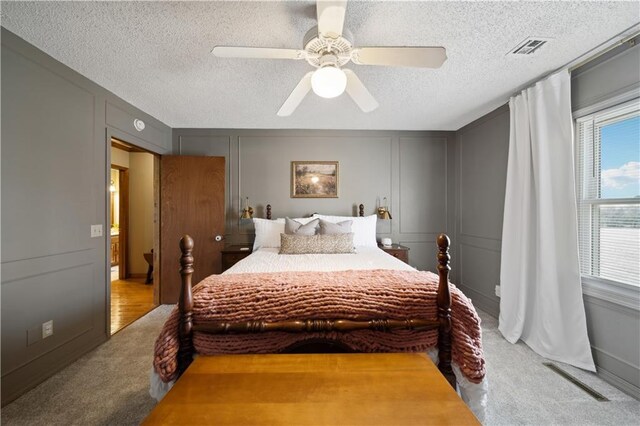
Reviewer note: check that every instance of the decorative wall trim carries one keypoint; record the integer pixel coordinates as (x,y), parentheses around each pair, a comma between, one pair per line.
(468,139)
(389,159)
(612,363)
(442,140)
(29,376)
(479,247)
(464,234)
(82,324)
(619,383)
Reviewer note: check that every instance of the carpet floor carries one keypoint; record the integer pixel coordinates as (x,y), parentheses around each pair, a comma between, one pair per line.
(110,386)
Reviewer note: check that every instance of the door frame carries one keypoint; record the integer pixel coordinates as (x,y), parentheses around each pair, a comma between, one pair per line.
(123,249)
(112,134)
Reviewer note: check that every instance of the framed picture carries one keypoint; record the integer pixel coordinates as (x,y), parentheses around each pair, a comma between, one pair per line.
(314,179)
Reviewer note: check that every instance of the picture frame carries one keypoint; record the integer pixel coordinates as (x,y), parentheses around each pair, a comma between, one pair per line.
(315,179)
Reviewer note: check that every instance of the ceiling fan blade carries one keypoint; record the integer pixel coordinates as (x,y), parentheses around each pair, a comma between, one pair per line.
(359,93)
(296,96)
(330,17)
(257,52)
(422,57)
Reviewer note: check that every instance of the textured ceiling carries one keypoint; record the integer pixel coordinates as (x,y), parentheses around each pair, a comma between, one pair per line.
(156,55)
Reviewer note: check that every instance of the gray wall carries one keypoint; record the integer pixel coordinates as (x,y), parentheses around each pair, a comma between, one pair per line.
(482,149)
(409,168)
(613,320)
(55,160)
(613,77)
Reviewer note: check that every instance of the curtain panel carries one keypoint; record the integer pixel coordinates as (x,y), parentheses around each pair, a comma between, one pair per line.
(541,294)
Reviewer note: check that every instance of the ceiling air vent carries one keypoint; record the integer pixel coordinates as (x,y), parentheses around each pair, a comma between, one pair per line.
(529,46)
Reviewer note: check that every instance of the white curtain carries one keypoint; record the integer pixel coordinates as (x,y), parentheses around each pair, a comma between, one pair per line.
(541,295)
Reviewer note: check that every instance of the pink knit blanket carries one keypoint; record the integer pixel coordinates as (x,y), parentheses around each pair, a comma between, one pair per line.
(367,294)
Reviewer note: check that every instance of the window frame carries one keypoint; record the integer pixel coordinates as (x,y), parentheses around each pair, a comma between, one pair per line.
(617,292)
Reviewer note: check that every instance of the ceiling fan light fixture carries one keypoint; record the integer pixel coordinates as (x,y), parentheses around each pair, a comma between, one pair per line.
(329,81)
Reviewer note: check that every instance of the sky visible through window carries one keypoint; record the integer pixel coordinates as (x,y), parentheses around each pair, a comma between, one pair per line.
(620,159)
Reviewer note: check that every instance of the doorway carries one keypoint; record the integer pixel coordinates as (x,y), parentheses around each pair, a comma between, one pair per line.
(119,215)
(132,190)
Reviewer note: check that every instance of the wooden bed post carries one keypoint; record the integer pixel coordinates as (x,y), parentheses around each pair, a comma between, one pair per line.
(269,211)
(444,311)
(185,305)
(361,210)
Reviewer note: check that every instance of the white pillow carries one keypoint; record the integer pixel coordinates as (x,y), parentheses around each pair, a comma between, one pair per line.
(267,233)
(363,228)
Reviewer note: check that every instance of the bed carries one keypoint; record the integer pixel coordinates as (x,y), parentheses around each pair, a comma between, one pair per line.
(308,303)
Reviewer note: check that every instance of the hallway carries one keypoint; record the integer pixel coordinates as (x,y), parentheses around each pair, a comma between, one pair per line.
(130,300)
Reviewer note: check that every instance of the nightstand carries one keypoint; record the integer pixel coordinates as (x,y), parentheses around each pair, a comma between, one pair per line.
(233,254)
(396,250)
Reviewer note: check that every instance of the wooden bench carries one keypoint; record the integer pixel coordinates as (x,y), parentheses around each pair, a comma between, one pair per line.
(312,389)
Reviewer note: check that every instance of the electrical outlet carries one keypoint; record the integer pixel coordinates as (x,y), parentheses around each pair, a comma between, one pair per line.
(47,329)
(498,290)
(96,231)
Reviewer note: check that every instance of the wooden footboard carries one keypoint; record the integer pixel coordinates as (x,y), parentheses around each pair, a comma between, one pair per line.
(443,323)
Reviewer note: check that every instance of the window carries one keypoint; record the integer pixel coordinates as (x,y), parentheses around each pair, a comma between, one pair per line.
(608,177)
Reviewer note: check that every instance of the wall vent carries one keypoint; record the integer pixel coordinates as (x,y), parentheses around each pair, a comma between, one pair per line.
(528,46)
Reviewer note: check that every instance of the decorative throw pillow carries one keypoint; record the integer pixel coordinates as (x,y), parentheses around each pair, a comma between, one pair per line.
(330,228)
(302,220)
(316,244)
(363,228)
(293,227)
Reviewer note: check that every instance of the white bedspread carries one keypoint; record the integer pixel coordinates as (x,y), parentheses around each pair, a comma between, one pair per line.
(268,260)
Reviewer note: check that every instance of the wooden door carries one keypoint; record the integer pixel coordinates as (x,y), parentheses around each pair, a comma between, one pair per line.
(191,202)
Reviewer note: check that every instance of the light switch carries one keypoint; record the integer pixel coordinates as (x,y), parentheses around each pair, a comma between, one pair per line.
(96,231)
(47,329)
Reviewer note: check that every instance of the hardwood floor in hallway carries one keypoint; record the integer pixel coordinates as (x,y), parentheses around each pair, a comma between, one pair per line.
(130,299)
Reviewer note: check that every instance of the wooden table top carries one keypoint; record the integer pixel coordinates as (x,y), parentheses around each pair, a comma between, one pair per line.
(312,389)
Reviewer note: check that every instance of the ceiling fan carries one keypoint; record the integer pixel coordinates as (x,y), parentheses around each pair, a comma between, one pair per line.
(327,48)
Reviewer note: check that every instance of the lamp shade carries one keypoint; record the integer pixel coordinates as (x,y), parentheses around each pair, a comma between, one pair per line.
(329,81)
